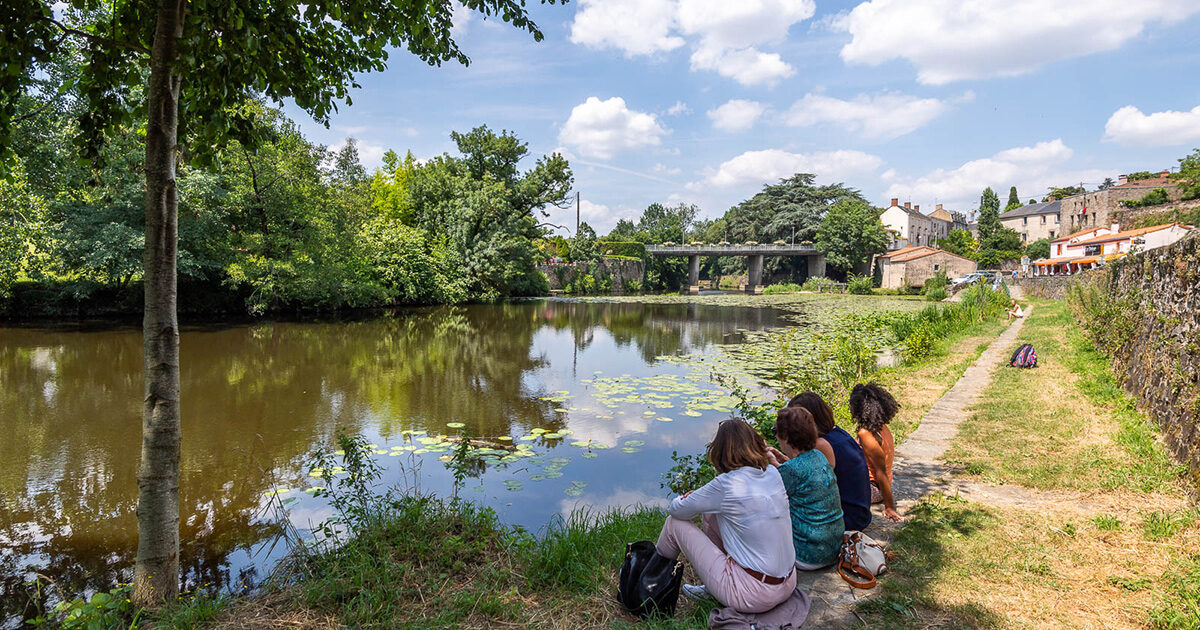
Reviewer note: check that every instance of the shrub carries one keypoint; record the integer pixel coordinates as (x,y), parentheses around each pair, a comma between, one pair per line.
(936,295)
(937,282)
(622,248)
(814,283)
(1153,198)
(860,285)
(782,287)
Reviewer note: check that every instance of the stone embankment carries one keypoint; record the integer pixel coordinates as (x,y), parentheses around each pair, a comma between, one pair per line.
(622,273)
(1158,294)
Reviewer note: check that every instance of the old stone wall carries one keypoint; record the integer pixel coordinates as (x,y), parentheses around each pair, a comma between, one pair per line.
(1158,360)
(1130,217)
(1047,287)
(614,274)
(1102,207)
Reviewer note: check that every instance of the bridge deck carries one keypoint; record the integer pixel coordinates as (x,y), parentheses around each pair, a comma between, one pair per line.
(731,250)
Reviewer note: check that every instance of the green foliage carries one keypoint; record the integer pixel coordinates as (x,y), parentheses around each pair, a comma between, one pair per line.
(1057,194)
(1002,245)
(783,287)
(1155,197)
(860,285)
(850,234)
(1038,249)
(1014,201)
(960,242)
(1188,177)
(106,610)
(629,249)
(22,230)
(583,248)
(1110,320)
(1141,175)
(1180,609)
(989,213)
(938,281)
(814,283)
(935,295)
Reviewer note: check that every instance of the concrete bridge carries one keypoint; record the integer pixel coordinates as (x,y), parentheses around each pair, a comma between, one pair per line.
(816,260)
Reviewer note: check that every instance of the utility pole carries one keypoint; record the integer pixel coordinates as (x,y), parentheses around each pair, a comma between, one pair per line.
(576,213)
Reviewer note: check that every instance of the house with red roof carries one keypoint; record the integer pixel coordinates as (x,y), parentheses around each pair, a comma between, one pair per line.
(912,266)
(1092,248)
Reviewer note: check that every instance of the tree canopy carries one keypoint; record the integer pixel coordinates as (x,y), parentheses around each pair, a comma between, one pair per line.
(850,234)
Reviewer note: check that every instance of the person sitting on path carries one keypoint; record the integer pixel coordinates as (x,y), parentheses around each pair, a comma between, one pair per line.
(1015,310)
(849,463)
(743,555)
(812,490)
(873,407)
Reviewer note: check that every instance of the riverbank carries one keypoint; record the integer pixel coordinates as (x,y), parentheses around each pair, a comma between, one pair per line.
(469,571)
(1068,512)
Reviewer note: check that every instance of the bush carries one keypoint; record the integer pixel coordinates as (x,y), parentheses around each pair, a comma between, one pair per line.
(937,282)
(1153,198)
(782,287)
(860,285)
(935,295)
(813,283)
(627,249)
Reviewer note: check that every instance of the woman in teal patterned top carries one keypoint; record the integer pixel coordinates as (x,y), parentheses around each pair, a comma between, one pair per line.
(813,499)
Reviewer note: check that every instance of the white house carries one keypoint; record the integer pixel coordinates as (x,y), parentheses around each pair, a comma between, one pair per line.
(911,227)
(1092,248)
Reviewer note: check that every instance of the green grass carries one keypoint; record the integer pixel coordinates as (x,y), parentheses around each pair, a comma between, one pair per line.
(1180,607)
(1027,432)
(432,563)
(926,550)
(1162,525)
(191,611)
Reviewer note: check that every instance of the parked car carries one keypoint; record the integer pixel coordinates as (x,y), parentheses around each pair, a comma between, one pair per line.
(987,276)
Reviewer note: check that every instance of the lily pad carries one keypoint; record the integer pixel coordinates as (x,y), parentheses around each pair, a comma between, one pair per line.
(455,425)
(505,438)
(665,419)
(573,491)
(635,443)
(630,449)
(537,477)
(271,493)
(588,456)
(693,413)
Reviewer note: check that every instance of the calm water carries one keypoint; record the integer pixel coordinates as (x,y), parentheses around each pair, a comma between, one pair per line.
(257,399)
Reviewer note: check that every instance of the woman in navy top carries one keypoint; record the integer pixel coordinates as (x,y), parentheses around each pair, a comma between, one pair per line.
(849,465)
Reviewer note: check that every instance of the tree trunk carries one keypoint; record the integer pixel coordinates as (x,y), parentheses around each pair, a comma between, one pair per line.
(156,577)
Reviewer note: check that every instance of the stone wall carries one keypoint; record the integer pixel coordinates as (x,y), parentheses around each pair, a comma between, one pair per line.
(1102,207)
(1047,287)
(618,273)
(1157,294)
(1128,217)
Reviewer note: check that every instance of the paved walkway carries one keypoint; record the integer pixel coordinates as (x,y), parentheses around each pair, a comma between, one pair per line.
(918,470)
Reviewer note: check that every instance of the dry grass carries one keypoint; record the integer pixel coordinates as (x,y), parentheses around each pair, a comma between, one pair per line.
(962,564)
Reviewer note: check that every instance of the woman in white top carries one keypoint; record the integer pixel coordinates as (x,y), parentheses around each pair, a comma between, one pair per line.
(744,554)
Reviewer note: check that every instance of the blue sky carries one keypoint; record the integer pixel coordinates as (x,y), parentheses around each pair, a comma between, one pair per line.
(705,101)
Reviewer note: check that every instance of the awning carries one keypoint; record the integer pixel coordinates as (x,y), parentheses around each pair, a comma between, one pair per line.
(1085,261)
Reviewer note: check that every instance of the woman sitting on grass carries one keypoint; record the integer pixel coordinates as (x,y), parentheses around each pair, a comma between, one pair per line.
(846,457)
(812,490)
(872,407)
(1015,310)
(743,555)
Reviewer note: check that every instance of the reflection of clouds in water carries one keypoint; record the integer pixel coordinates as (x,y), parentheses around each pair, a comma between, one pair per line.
(606,431)
(42,359)
(589,505)
(31,533)
(305,518)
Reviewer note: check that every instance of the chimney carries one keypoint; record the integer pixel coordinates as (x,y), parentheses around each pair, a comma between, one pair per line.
(1165,173)
(939,208)
(895,201)
(917,207)
(1122,179)
(908,205)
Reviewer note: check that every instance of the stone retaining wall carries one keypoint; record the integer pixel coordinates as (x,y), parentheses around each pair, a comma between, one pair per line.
(618,273)
(1158,293)
(1047,287)
(1128,217)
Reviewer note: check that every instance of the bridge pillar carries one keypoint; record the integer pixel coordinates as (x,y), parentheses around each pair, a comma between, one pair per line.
(816,266)
(754,278)
(694,274)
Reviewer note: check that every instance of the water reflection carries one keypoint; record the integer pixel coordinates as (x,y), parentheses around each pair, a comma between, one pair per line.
(258,398)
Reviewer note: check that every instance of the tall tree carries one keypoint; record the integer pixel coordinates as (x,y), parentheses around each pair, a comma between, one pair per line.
(989,213)
(1064,192)
(1014,201)
(960,242)
(850,234)
(178,64)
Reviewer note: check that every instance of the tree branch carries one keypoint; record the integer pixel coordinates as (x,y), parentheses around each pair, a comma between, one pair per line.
(98,38)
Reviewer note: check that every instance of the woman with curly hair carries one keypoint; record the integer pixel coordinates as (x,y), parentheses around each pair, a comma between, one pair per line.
(873,407)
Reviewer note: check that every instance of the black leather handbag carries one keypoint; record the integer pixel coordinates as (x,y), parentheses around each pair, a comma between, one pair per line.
(649,582)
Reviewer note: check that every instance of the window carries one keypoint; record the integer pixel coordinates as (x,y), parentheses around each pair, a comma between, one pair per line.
(937,267)
(1092,250)
(1043,219)
(1024,220)
(1052,238)
(1024,236)
(1056,218)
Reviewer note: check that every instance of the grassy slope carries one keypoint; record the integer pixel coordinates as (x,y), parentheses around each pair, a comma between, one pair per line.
(1118,549)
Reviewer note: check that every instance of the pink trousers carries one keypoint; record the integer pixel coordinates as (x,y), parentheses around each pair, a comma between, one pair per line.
(726,581)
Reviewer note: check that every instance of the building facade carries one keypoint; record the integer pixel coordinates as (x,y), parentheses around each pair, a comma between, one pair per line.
(1091,248)
(1035,221)
(912,266)
(1093,209)
(907,223)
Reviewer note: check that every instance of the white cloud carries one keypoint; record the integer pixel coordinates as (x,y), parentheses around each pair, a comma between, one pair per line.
(663,169)
(460,17)
(725,35)
(1129,126)
(879,116)
(636,27)
(601,129)
(678,109)
(736,115)
(952,40)
(1031,169)
(747,66)
(601,217)
(763,167)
